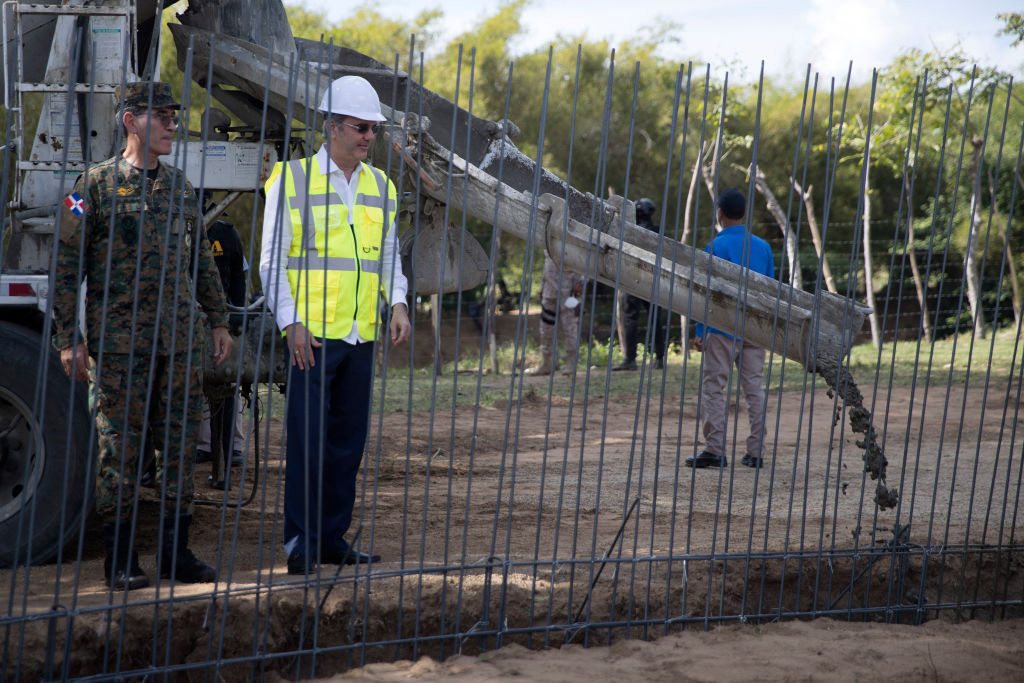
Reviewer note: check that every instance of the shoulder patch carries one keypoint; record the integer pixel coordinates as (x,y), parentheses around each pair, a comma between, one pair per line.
(71,216)
(75,203)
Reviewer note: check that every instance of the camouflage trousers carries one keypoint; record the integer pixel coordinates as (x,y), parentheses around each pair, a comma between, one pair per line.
(553,293)
(134,406)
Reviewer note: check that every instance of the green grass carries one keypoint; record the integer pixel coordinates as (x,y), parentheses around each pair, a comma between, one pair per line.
(470,387)
(904,360)
(949,360)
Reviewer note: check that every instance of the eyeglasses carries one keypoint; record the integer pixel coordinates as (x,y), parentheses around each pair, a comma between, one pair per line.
(362,128)
(164,118)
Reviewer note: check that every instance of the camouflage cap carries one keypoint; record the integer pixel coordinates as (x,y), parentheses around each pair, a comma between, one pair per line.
(138,94)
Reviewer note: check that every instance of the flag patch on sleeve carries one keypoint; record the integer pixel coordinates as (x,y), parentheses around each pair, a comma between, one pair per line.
(74,202)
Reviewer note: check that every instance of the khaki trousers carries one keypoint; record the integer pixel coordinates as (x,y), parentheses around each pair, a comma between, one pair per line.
(720,354)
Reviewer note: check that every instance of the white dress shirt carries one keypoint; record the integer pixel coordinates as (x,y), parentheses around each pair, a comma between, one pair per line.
(277,240)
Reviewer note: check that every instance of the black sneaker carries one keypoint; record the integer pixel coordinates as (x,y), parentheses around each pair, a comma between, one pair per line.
(751,461)
(705,459)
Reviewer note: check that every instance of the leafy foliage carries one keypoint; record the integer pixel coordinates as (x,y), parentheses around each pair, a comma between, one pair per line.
(367,29)
(1013,26)
(624,119)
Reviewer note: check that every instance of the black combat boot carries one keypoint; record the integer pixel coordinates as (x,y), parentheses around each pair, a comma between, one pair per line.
(121,563)
(182,565)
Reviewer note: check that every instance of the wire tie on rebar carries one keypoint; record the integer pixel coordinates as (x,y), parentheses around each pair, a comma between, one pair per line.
(478,626)
(573,629)
(211,606)
(489,560)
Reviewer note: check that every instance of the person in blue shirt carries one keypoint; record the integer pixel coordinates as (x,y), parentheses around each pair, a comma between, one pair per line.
(721,351)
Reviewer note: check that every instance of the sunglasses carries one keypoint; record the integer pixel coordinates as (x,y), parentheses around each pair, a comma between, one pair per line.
(362,128)
(164,118)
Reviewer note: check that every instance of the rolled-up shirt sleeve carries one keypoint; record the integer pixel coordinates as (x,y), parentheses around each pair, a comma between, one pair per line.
(277,239)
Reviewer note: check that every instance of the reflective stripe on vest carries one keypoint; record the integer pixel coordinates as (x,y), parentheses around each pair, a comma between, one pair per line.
(332,290)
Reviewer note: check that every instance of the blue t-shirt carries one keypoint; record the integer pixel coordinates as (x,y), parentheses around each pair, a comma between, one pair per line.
(738,245)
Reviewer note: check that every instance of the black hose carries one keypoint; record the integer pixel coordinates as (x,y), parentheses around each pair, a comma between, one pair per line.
(255,403)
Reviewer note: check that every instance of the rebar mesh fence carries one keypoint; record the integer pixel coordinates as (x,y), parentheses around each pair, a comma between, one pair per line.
(547,508)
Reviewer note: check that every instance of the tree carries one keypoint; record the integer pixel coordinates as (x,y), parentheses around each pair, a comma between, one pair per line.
(488,47)
(788,236)
(812,225)
(1013,25)
(957,88)
(367,30)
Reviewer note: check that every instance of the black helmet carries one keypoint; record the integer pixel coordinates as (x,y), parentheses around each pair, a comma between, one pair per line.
(644,209)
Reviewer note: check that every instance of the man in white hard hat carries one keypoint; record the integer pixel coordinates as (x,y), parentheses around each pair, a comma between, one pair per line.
(329,252)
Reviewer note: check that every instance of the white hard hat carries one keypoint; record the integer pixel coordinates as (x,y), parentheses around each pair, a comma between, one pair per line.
(352,96)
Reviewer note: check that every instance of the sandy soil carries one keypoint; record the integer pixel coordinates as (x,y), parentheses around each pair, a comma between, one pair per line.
(822,650)
(487,521)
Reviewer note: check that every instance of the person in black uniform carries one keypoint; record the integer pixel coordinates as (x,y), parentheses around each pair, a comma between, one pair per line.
(226,245)
(630,307)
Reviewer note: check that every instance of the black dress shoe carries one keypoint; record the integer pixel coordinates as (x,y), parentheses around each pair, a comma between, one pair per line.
(348,556)
(751,461)
(705,459)
(203,456)
(299,564)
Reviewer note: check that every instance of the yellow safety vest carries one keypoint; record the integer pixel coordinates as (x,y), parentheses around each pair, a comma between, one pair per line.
(334,259)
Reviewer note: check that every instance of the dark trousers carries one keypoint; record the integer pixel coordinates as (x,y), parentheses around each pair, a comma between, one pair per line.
(327,413)
(632,306)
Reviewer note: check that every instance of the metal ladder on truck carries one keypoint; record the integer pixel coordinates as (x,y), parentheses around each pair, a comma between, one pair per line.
(75,126)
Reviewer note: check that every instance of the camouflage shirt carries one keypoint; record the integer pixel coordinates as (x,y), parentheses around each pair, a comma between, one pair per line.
(144,229)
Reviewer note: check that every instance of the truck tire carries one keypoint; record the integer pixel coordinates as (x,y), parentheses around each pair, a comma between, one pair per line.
(43,487)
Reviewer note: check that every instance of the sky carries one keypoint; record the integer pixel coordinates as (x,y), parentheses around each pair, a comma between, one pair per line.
(738,34)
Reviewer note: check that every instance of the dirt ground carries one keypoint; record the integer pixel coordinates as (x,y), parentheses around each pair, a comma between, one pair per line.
(487,521)
(822,650)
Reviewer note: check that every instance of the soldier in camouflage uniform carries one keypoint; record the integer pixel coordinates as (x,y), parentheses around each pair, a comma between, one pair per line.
(132,227)
(556,295)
